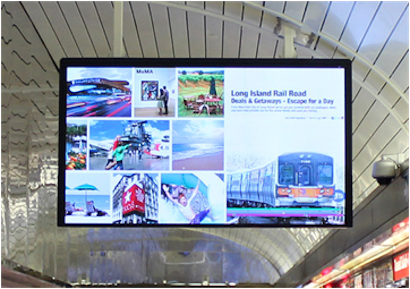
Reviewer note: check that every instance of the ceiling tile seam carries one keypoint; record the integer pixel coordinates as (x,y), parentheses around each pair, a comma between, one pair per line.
(368,27)
(170,32)
(276,50)
(136,29)
(347,21)
(52,28)
(38,35)
(383,101)
(205,38)
(240,42)
(325,18)
(223,37)
(223,30)
(338,44)
(374,158)
(153,30)
(395,69)
(258,43)
(363,118)
(241,30)
(354,97)
(124,44)
(71,32)
(102,26)
(187,33)
(391,34)
(302,19)
(396,103)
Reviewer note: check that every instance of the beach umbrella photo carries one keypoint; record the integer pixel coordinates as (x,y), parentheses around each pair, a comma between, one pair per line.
(86,188)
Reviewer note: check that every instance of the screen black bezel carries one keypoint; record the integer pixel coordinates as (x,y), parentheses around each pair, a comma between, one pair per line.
(205,62)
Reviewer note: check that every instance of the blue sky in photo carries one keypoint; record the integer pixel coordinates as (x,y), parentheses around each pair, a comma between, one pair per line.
(102,130)
(198,131)
(110,73)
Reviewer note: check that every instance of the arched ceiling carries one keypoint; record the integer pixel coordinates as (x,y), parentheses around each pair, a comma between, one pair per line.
(373,34)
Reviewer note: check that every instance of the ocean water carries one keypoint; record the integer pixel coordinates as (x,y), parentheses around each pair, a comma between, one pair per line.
(101,202)
(186,151)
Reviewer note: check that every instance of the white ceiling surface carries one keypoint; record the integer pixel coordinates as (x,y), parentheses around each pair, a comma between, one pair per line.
(375,35)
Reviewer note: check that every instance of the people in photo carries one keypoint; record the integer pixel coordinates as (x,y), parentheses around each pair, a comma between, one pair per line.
(160,104)
(166,98)
(185,207)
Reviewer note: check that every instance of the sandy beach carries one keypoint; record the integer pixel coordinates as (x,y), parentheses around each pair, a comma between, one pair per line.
(205,162)
(78,219)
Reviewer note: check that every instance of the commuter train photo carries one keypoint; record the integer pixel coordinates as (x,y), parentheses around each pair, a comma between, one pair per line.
(301,183)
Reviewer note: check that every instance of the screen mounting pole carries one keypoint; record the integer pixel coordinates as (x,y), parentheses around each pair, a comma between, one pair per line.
(289,34)
(118,47)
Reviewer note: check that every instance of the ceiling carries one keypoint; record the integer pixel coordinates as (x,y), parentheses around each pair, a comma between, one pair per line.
(36,35)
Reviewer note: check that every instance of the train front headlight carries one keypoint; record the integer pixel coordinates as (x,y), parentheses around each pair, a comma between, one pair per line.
(289,191)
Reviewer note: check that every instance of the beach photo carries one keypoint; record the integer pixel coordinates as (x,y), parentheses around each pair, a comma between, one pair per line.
(99,92)
(200,92)
(76,144)
(198,145)
(87,198)
(129,145)
(155,92)
(197,198)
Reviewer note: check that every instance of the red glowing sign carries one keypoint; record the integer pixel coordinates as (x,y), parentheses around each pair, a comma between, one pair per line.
(401,226)
(401,266)
(133,200)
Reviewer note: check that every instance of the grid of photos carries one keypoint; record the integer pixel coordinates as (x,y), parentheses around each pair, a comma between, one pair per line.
(136,151)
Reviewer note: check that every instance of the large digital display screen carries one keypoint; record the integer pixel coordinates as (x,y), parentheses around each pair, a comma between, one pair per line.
(205,142)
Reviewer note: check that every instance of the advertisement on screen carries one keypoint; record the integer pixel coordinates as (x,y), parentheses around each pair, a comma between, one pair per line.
(220,143)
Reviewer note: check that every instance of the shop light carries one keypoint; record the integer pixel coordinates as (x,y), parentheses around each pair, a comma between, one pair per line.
(311,285)
(395,243)
(333,275)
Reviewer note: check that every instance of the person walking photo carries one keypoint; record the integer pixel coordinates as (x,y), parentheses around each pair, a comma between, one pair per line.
(166,98)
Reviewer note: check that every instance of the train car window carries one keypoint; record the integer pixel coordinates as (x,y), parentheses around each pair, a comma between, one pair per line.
(304,176)
(286,173)
(325,174)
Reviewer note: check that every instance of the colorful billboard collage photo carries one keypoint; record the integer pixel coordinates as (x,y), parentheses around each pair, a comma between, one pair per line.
(140,150)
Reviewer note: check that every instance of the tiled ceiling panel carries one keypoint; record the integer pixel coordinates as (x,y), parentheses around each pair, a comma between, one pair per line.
(295,9)
(105,13)
(315,14)
(382,26)
(59,25)
(160,22)
(94,29)
(179,32)
(143,20)
(46,32)
(336,18)
(358,23)
(132,43)
(396,46)
(196,34)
